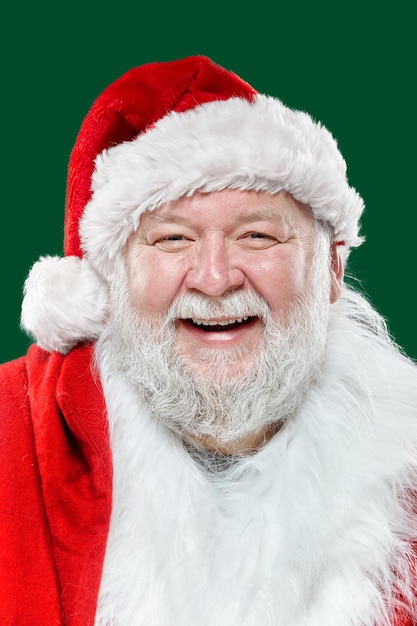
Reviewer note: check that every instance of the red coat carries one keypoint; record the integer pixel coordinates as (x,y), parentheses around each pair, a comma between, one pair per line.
(55,487)
(56,477)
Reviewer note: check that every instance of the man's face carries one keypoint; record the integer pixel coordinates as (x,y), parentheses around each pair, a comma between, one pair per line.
(213,245)
(219,314)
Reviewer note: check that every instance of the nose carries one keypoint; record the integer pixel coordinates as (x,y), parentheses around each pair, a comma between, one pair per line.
(213,271)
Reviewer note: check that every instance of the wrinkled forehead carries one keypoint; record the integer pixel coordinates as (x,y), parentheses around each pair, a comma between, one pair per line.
(227,207)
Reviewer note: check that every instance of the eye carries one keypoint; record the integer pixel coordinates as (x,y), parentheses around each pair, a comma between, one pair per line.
(172,238)
(258,240)
(258,236)
(172,242)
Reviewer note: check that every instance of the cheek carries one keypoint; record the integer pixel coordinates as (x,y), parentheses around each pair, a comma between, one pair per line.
(280,280)
(154,282)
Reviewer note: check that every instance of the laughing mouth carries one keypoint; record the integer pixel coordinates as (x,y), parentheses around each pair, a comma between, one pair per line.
(219,325)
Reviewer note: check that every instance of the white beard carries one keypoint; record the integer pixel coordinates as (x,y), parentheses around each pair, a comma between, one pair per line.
(312,530)
(270,385)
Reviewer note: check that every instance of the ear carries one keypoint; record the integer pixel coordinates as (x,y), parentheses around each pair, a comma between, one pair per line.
(336,273)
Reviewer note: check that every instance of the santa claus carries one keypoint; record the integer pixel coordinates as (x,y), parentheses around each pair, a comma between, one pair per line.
(211,428)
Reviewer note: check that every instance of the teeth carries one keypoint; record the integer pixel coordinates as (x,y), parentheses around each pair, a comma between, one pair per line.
(219,322)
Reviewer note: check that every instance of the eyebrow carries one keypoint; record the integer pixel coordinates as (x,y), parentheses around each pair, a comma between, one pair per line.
(261,216)
(241,218)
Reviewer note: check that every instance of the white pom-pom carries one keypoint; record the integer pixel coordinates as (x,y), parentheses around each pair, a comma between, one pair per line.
(65,302)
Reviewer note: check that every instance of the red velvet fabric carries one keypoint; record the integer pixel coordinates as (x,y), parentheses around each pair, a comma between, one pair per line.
(55,487)
(55,490)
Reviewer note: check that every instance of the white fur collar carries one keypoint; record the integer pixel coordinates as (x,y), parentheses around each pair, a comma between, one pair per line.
(309,531)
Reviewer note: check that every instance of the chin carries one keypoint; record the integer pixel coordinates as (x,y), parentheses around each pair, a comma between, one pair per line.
(220,365)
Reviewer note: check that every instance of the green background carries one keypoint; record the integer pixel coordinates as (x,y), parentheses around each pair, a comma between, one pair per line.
(350,65)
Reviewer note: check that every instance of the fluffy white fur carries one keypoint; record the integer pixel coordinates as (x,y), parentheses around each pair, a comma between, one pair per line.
(260,145)
(313,530)
(65,302)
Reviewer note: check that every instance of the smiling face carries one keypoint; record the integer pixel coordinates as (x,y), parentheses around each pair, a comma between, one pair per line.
(216,244)
(219,314)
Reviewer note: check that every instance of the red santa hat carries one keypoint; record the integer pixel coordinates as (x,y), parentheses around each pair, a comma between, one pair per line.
(160,132)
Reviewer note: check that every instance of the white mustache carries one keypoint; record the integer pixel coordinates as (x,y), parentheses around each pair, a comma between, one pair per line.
(236,304)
